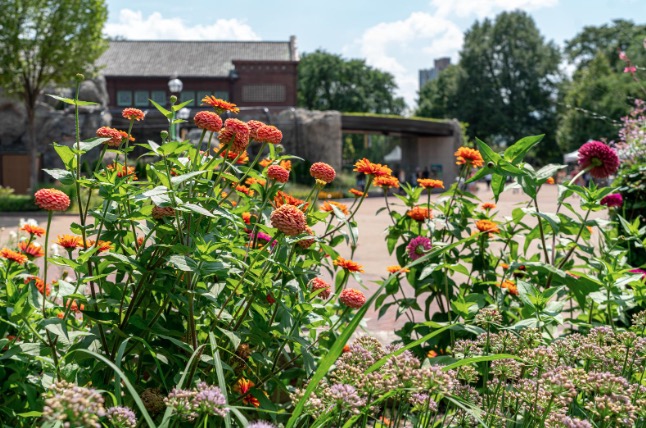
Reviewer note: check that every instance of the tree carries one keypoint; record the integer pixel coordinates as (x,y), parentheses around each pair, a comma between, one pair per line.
(600,93)
(45,42)
(505,86)
(329,82)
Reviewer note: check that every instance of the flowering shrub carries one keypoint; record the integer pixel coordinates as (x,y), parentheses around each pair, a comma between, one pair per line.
(190,297)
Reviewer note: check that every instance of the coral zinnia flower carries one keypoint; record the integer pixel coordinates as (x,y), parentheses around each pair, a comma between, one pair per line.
(52,200)
(488,206)
(369,168)
(322,171)
(208,120)
(352,298)
(397,269)
(387,181)
(244,189)
(467,156)
(356,193)
(289,220)
(121,170)
(306,243)
(246,217)
(133,114)
(327,206)
(254,126)
(319,284)
(115,138)
(40,284)
(278,173)
(125,136)
(429,183)
(510,286)
(348,265)
(612,200)
(417,247)
(220,105)
(31,249)
(269,134)
(235,134)
(419,213)
(242,158)
(13,256)
(601,159)
(487,226)
(33,229)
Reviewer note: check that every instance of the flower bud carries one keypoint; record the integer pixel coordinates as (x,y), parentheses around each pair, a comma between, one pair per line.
(173,99)
(164,135)
(79,77)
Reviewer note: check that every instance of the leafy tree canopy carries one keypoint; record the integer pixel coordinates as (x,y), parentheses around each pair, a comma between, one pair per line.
(329,82)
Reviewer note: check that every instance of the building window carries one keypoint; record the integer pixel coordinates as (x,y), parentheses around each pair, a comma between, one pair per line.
(124,98)
(141,98)
(187,96)
(264,93)
(223,95)
(159,97)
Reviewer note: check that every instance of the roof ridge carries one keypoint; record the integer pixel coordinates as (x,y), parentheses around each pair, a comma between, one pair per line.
(199,41)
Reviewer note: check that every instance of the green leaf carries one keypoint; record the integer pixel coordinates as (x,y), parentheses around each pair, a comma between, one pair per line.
(222,383)
(73,102)
(197,209)
(167,114)
(86,146)
(183,263)
(548,171)
(467,361)
(178,107)
(497,185)
(124,379)
(487,153)
(235,340)
(516,152)
(66,154)
(331,356)
(62,175)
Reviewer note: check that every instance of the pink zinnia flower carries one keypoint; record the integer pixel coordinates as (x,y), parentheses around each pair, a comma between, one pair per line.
(623,56)
(601,159)
(322,171)
(254,125)
(278,173)
(208,120)
(612,200)
(115,137)
(319,284)
(418,246)
(630,69)
(352,298)
(236,134)
(133,114)
(638,270)
(52,200)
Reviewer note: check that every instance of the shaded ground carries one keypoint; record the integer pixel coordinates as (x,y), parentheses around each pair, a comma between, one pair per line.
(371,252)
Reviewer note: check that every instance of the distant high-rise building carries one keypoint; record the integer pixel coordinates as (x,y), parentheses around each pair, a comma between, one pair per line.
(428,74)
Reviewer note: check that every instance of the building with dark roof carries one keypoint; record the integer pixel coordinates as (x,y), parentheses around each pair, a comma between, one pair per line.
(247,73)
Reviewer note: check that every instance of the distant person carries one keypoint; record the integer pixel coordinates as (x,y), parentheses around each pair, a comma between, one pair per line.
(361,181)
(402,176)
(487,179)
(426,173)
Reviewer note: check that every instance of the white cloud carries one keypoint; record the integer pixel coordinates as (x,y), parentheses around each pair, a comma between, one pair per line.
(483,8)
(402,47)
(134,26)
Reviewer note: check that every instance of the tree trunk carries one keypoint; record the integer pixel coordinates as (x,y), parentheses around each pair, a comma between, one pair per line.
(33,147)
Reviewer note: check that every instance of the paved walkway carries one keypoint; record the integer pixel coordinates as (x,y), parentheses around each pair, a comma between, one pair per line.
(371,252)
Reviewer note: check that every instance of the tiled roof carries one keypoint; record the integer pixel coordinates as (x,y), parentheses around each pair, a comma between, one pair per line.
(187,58)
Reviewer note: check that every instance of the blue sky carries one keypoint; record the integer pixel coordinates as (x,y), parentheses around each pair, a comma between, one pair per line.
(399,36)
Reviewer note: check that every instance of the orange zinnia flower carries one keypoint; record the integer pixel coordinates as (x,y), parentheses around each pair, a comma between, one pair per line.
(387,181)
(31,249)
(419,213)
(487,226)
(251,181)
(431,354)
(510,286)
(327,206)
(125,136)
(397,269)
(488,206)
(348,265)
(369,168)
(429,183)
(101,245)
(246,217)
(356,193)
(244,189)
(242,157)
(69,241)
(550,180)
(220,105)
(13,256)
(283,198)
(33,230)
(40,284)
(122,171)
(467,156)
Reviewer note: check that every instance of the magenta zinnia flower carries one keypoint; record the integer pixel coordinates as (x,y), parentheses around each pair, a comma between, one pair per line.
(638,270)
(612,200)
(418,246)
(601,159)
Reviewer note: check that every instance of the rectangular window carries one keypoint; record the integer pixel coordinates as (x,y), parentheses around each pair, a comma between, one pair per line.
(159,97)
(223,95)
(124,98)
(141,98)
(263,93)
(187,96)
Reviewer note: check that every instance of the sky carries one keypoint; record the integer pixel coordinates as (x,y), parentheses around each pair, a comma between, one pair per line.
(398,36)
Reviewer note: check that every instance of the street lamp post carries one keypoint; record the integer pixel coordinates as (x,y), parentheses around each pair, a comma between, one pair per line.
(175,87)
(184,114)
